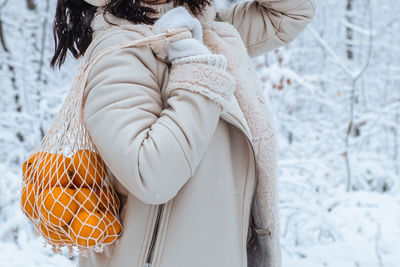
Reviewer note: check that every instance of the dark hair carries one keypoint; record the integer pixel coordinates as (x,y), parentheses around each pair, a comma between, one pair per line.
(71,26)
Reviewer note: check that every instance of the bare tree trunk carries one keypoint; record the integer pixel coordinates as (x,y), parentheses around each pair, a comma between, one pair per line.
(355,77)
(43,43)
(2,39)
(31,5)
(396,144)
(348,134)
(349,30)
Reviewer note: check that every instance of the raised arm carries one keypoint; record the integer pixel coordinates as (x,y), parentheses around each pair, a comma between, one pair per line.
(153,151)
(267,24)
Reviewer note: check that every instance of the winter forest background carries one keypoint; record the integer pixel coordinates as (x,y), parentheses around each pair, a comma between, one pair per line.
(335,96)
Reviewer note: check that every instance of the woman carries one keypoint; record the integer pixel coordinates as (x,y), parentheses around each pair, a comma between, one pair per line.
(183,127)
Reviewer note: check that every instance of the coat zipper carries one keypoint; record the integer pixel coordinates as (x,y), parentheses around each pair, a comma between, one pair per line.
(149,256)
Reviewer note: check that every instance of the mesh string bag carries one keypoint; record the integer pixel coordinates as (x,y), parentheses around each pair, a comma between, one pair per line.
(66,190)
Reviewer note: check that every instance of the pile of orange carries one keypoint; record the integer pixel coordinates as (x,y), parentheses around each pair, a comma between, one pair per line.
(67,198)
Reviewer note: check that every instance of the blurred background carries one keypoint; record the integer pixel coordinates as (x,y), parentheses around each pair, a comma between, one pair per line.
(335,96)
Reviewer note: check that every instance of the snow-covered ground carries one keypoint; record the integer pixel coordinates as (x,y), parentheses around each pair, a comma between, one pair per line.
(341,229)
(31,255)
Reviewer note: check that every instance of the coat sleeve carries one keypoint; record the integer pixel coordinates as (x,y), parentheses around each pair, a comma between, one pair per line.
(152,151)
(268,24)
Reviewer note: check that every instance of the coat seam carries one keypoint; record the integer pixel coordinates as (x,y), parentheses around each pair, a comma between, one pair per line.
(293,8)
(280,24)
(113,32)
(180,145)
(93,47)
(269,38)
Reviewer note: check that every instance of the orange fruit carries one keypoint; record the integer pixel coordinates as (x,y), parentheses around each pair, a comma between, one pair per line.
(28,203)
(87,229)
(87,199)
(89,167)
(54,235)
(57,206)
(53,170)
(114,228)
(108,199)
(27,168)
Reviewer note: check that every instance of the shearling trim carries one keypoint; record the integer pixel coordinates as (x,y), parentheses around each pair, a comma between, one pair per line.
(212,82)
(220,39)
(215,60)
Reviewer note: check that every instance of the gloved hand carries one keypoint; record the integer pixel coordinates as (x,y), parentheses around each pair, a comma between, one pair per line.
(177,18)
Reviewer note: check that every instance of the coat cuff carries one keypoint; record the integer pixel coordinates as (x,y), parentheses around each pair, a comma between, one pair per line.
(215,60)
(204,74)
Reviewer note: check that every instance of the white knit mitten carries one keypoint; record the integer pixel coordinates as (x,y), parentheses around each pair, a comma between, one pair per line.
(204,74)
(177,18)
